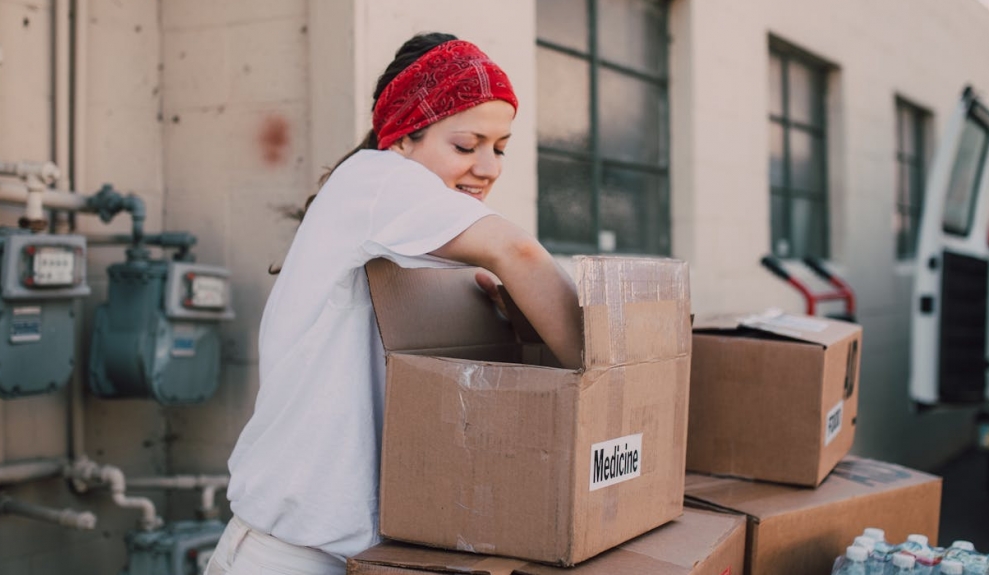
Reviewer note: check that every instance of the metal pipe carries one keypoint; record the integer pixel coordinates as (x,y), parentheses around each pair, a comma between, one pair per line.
(14,192)
(89,472)
(61,106)
(31,470)
(64,517)
(79,92)
(208,483)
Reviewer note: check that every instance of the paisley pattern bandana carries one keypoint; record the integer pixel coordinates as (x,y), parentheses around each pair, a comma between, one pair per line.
(448,79)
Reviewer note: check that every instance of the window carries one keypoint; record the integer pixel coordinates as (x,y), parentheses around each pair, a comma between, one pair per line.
(966,172)
(603,126)
(797,159)
(911,134)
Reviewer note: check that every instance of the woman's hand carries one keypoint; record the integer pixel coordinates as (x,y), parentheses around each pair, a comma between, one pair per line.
(490,287)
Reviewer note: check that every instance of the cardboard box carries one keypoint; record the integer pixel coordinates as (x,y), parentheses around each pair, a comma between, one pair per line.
(772,397)
(802,530)
(488,448)
(698,543)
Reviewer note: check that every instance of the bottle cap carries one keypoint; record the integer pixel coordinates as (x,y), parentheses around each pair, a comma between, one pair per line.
(917,538)
(903,560)
(874,533)
(952,567)
(966,545)
(856,553)
(865,542)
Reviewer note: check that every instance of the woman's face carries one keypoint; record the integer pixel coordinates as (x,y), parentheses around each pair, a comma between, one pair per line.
(466,149)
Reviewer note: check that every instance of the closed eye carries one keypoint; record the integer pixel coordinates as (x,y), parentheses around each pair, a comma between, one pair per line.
(464,150)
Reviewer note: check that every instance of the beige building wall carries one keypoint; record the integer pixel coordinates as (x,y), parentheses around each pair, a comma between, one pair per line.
(720,143)
(218,113)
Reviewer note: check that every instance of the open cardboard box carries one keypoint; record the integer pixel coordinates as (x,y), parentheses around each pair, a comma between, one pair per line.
(490,448)
(772,396)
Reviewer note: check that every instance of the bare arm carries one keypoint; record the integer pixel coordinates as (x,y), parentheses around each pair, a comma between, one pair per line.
(542,290)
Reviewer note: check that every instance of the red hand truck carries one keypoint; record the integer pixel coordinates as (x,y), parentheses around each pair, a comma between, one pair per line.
(842,291)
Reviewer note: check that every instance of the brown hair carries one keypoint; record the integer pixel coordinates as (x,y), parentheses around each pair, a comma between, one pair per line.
(408,53)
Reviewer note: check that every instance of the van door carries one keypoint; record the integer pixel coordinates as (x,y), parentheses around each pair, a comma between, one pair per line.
(948,345)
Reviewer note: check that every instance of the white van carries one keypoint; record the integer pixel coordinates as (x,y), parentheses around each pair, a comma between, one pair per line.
(948,359)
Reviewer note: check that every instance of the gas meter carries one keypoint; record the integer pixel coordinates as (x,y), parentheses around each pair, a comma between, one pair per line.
(41,275)
(180,548)
(157,335)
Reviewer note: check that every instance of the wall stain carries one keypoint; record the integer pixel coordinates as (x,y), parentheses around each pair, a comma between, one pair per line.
(274,139)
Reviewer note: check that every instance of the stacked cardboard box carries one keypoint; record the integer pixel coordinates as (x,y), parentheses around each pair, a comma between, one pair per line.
(697,543)
(493,449)
(773,407)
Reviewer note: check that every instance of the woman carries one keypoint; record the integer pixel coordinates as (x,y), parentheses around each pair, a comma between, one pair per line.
(304,472)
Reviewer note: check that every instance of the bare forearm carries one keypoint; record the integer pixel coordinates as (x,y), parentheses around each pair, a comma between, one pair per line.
(548,298)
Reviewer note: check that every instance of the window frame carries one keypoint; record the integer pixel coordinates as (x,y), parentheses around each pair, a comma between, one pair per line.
(917,167)
(594,156)
(820,69)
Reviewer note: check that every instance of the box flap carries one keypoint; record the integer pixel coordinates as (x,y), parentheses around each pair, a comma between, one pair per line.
(811,329)
(396,554)
(627,304)
(428,308)
(852,477)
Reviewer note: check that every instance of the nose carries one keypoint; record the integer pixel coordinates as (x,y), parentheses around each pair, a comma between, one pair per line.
(488,165)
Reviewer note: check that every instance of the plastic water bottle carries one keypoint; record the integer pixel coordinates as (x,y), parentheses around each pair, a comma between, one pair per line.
(902,564)
(873,564)
(973,562)
(854,561)
(952,567)
(916,545)
(882,552)
(959,551)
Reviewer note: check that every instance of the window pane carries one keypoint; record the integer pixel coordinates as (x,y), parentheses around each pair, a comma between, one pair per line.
(965,174)
(563,22)
(630,118)
(807,220)
(563,107)
(630,33)
(906,235)
(907,131)
(916,196)
(777,175)
(633,212)
(806,162)
(775,85)
(781,245)
(902,184)
(565,208)
(805,91)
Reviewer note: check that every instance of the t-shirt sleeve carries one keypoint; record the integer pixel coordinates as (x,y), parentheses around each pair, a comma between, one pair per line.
(415,213)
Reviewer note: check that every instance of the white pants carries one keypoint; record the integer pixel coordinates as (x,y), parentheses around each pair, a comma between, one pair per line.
(244,551)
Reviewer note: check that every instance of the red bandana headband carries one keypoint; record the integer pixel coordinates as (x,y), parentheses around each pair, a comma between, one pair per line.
(448,79)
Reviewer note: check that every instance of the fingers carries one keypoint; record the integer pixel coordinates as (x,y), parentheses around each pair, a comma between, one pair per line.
(487,283)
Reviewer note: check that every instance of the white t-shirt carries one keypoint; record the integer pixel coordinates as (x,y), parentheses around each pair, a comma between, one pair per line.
(305,468)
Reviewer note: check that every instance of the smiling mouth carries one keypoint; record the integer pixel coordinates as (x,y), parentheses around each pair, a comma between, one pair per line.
(472,190)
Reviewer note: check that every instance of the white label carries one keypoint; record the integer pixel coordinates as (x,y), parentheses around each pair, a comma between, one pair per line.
(208,291)
(54,266)
(616,460)
(833,422)
(804,324)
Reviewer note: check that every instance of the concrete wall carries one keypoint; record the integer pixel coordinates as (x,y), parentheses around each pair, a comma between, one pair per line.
(218,113)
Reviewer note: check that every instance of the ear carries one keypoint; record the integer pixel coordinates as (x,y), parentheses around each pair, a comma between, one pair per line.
(403,146)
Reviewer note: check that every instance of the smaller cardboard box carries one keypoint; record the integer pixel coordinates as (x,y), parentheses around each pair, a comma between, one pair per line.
(490,447)
(773,396)
(802,530)
(698,543)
